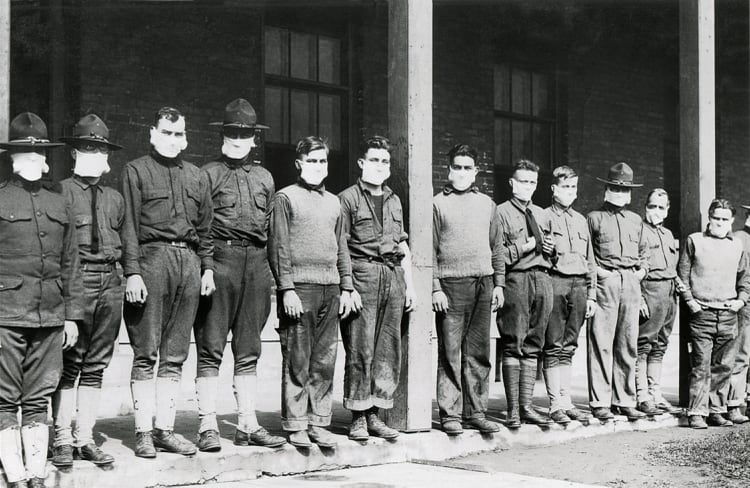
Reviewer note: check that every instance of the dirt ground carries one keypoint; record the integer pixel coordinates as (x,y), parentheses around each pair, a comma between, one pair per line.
(624,459)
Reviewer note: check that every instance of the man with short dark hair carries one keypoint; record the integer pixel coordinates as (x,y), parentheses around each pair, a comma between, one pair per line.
(381,271)
(241,190)
(621,264)
(573,276)
(467,286)
(658,304)
(528,292)
(41,299)
(713,268)
(99,213)
(310,262)
(167,259)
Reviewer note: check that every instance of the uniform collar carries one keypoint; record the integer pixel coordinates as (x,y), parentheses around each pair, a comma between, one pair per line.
(84,184)
(30,186)
(165,161)
(522,207)
(448,189)
(559,210)
(729,235)
(387,192)
(658,228)
(321,188)
(244,163)
(613,209)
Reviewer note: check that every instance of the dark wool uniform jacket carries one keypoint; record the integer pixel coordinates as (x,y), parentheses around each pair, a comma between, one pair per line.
(40,277)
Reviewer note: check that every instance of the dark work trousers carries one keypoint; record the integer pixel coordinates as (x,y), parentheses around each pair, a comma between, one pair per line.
(162,326)
(463,371)
(97,332)
(713,345)
(738,381)
(613,341)
(569,295)
(308,350)
(653,333)
(372,338)
(30,367)
(523,319)
(241,303)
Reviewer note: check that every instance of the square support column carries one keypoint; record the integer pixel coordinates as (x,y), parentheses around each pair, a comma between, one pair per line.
(4,69)
(697,137)
(410,131)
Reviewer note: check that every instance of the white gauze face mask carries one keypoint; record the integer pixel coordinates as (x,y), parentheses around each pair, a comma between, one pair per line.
(29,166)
(237,148)
(655,216)
(91,165)
(313,173)
(375,173)
(461,180)
(618,199)
(564,197)
(522,192)
(168,146)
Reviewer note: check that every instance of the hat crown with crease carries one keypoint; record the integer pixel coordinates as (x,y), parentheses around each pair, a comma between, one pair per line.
(241,115)
(620,174)
(27,129)
(91,129)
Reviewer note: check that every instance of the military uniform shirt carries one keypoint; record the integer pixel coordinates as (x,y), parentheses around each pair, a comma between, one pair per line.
(661,252)
(515,234)
(616,236)
(575,254)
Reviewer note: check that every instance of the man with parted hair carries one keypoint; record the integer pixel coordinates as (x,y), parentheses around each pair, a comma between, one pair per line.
(168,262)
(467,286)
(381,271)
(310,262)
(713,268)
(658,304)
(522,322)
(573,276)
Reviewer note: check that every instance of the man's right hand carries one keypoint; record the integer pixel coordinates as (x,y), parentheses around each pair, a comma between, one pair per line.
(292,305)
(439,302)
(135,290)
(694,306)
(645,312)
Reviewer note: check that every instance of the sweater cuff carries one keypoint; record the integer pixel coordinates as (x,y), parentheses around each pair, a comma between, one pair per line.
(436,285)
(286,282)
(498,279)
(591,294)
(131,268)
(346,283)
(207,263)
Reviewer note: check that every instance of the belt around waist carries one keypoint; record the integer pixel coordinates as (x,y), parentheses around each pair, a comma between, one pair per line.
(564,275)
(391,263)
(98,267)
(659,279)
(620,268)
(542,269)
(240,243)
(181,244)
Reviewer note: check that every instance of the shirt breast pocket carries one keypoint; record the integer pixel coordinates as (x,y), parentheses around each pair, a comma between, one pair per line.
(155,206)
(579,241)
(363,227)
(83,229)
(397,224)
(16,229)
(225,205)
(193,201)
(630,245)
(12,299)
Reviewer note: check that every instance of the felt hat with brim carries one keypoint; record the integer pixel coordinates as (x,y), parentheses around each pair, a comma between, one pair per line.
(91,129)
(239,114)
(620,174)
(27,130)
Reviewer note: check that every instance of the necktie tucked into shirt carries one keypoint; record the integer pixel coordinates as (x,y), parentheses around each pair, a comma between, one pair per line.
(94,220)
(533,228)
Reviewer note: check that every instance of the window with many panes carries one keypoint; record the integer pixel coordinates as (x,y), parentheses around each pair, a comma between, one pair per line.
(304,87)
(525,118)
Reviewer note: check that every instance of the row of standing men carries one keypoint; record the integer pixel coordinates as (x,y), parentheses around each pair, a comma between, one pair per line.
(195,246)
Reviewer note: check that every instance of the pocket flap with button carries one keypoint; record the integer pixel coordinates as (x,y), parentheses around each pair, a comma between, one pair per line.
(193,192)
(13,215)
(225,200)
(58,215)
(83,220)
(261,201)
(10,282)
(155,194)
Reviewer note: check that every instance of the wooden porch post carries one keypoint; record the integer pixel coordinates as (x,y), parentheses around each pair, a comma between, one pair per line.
(4,68)
(697,137)
(410,130)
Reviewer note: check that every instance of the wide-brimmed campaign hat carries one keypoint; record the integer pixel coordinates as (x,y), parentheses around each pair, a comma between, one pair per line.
(620,174)
(27,130)
(239,114)
(91,129)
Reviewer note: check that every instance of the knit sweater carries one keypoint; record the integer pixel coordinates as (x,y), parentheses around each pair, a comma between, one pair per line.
(306,242)
(714,270)
(466,237)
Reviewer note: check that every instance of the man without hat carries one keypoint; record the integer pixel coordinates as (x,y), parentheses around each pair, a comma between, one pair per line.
(310,262)
(621,264)
(41,298)
(467,286)
(381,271)
(573,276)
(241,190)
(713,268)
(738,381)
(658,304)
(98,212)
(167,259)
(528,292)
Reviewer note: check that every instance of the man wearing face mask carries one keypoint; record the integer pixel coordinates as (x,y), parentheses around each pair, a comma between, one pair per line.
(167,259)
(573,277)
(621,264)
(241,190)
(99,213)
(713,268)
(658,305)
(467,286)
(738,381)
(310,262)
(528,291)
(381,272)
(41,299)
